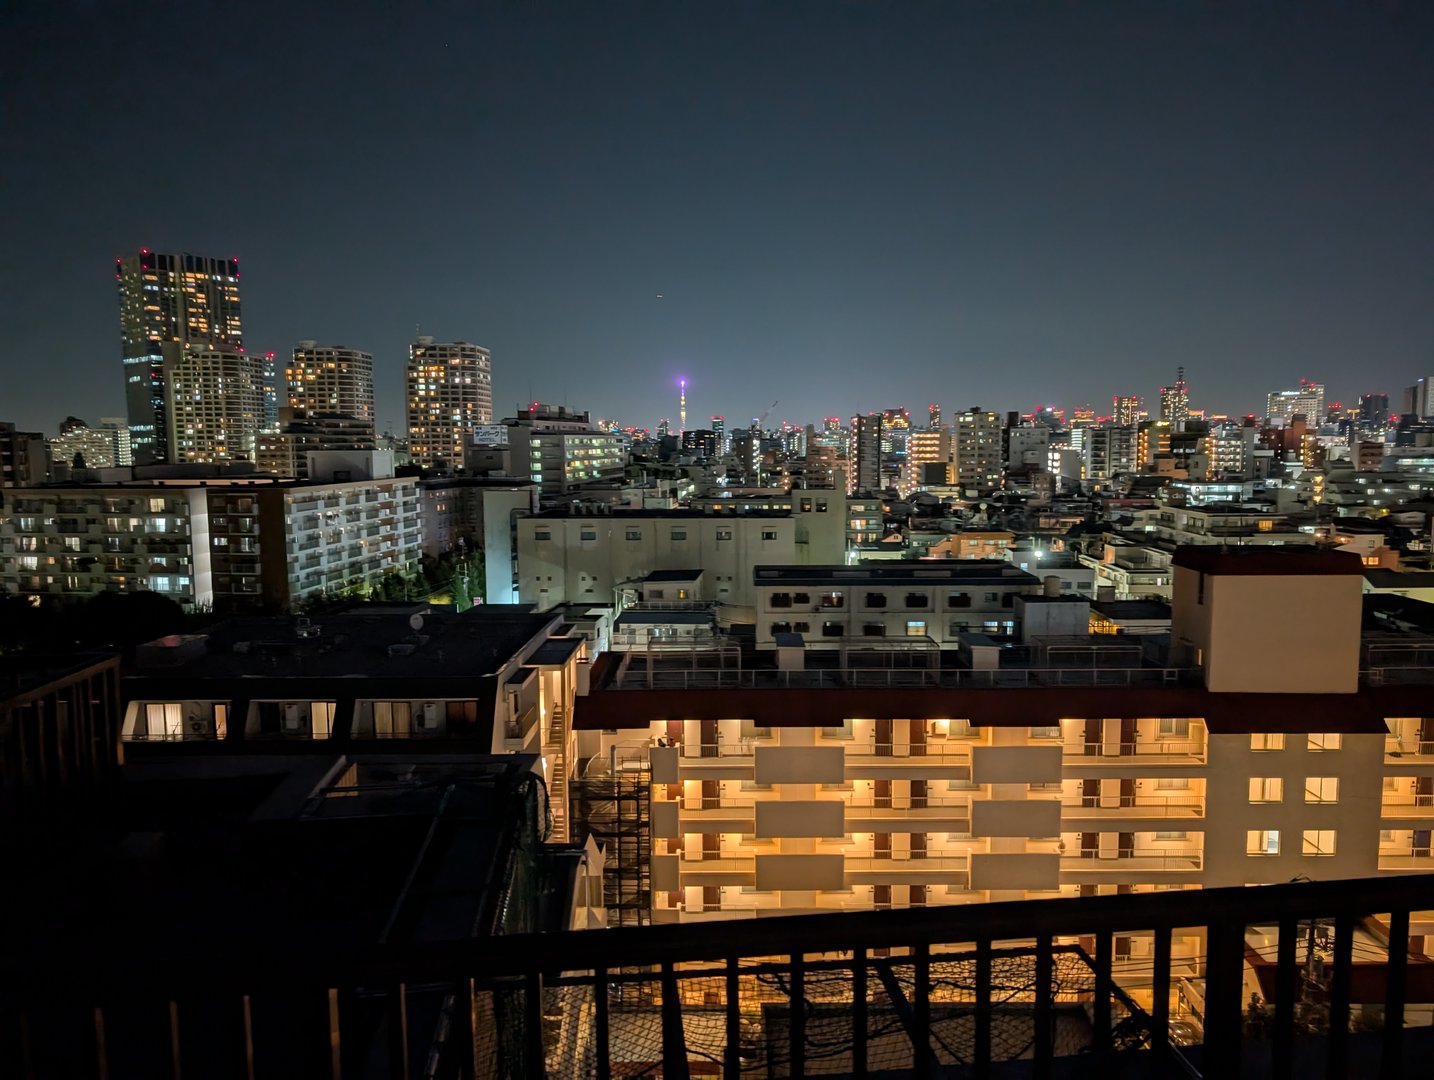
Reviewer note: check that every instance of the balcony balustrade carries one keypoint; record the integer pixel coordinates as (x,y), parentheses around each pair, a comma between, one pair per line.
(972,990)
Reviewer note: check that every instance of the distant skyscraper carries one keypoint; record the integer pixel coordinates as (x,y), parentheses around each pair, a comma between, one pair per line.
(273,392)
(866,452)
(1373,408)
(1175,400)
(1416,399)
(169,300)
(976,448)
(331,379)
(1282,406)
(449,392)
(1126,410)
(216,403)
(933,417)
(719,428)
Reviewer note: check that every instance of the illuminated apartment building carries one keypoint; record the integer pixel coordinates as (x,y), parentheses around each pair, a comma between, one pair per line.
(1253,750)
(449,392)
(169,300)
(1109,451)
(976,448)
(218,541)
(929,458)
(215,404)
(331,379)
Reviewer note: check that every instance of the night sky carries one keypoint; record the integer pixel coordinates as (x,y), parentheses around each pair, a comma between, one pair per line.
(843,206)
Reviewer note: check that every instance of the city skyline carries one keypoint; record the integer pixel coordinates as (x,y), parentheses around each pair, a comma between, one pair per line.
(887,201)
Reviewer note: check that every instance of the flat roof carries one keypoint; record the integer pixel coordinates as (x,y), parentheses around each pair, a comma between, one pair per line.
(358,643)
(674,513)
(1358,713)
(659,618)
(673,575)
(1400,579)
(555,651)
(902,572)
(1149,610)
(1266,560)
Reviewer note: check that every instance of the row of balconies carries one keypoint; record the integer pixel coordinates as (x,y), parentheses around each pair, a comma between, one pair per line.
(826,872)
(955,813)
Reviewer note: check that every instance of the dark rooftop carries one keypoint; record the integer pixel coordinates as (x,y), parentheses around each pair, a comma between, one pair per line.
(902,572)
(1266,560)
(659,576)
(357,642)
(1400,579)
(1131,609)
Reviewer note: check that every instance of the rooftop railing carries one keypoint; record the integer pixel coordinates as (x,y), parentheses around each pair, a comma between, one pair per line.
(930,991)
(674,678)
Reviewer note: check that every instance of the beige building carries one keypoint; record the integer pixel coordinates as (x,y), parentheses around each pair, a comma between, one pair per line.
(976,448)
(1254,752)
(215,404)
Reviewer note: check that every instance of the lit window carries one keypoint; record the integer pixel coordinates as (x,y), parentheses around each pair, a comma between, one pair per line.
(1321,789)
(1267,741)
(1266,789)
(1171,728)
(916,628)
(1262,842)
(1322,740)
(1051,731)
(1318,842)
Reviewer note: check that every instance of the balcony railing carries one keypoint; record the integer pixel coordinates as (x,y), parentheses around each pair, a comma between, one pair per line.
(1153,806)
(1127,861)
(1178,750)
(923,992)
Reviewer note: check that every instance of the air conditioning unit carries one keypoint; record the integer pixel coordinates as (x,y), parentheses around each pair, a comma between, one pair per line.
(293,719)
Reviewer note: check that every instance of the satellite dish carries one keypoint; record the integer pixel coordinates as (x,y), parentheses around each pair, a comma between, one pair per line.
(415,621)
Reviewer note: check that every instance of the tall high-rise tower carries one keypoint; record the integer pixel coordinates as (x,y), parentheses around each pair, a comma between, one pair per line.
(166,303)
(1175,400)
(449,390)
(333,380)
(681,407)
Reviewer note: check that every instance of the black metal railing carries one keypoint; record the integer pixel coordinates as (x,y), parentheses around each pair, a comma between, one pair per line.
(1028,988)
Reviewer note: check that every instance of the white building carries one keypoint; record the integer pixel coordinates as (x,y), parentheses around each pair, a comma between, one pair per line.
(220,541)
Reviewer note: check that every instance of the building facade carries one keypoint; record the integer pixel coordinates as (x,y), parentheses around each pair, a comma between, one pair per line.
(332,380)
(215,404)
(448,391)
(212,544)
(177,299)
(976,448)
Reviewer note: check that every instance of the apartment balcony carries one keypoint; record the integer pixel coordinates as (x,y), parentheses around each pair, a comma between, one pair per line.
(932,814)
(1416,809)
(934,761)
(1128,811)
(676,871)
(1139,865)
(1408,749)
(1408,860)
(1137,752)
(965,990)
(933,870)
